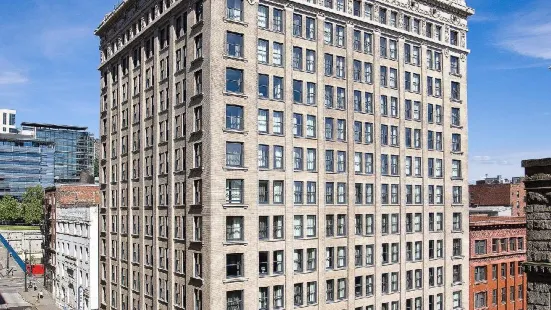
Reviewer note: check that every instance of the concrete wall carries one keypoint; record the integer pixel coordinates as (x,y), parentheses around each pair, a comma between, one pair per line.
(30,241)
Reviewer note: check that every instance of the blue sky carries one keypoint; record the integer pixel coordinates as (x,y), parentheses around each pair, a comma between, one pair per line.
(49,56)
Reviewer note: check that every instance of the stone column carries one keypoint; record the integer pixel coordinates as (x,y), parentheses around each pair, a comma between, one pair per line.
(538,232)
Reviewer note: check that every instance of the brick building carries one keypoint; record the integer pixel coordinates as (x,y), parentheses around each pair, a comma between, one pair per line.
(496,192)
(71,245)
(283,154)
(497,251)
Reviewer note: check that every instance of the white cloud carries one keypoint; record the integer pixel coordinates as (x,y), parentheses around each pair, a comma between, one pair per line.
(483,18)
(544,64)
(61,41)
(490,160)
(506,164)
(527,32)
(10,77)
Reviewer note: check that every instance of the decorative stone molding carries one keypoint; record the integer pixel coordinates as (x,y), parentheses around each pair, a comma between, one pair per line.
(538,177)
(534,197)
(537,267)
(432,12)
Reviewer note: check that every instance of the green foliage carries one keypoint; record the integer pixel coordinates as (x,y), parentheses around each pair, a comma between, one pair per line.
(32,205)
(10,211)
(96,168)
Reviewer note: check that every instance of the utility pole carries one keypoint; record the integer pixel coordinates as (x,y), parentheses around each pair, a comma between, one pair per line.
(26,263)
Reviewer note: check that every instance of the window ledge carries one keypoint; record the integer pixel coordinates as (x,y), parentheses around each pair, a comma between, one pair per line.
(163,80)
(304,272)
(237,279)
(179,71)
(306,305)
(226,56)
(197,24)
(197,278)
(229,168)
(271,240)
(235,21)
(271,275)
(235,205)
(237,242)
(456,100)
(196,96)
(262,133)
(459,75)
(456,152)
(306,238)
(240,95)
(239,131)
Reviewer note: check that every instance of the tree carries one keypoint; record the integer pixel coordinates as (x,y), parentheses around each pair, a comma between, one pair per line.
(96,167)
(32,205)
(10,210)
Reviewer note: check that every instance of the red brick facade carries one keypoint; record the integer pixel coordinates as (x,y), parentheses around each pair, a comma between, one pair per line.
(507,194)
(497,249)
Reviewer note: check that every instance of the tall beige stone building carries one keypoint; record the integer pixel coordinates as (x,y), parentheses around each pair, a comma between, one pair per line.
(284,154)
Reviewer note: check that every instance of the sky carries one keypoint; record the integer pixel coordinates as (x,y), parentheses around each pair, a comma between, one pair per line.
(49,58)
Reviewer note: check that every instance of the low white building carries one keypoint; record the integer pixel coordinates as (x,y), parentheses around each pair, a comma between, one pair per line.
(75,282)
(7,121)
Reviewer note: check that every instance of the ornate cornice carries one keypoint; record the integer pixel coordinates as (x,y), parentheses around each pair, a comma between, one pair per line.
(125,12)
(534,267)
(538,177)
(453,6)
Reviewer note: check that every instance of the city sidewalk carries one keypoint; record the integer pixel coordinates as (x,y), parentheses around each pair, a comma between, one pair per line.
(45,303)
(12,289)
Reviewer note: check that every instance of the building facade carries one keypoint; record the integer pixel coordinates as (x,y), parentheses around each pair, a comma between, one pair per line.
(8,121)
(24,162)
(538,232)
(74,148)
(497,252)
(498,193)
(71,265)
(281,154)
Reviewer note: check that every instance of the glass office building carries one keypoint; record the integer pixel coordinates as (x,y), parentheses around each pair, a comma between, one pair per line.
(74,149)
(24,162)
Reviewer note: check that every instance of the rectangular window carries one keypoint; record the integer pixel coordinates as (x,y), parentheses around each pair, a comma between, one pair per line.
(234,80)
